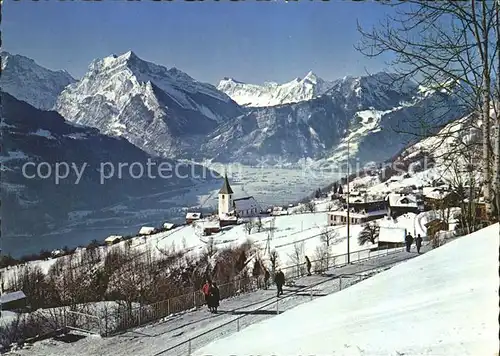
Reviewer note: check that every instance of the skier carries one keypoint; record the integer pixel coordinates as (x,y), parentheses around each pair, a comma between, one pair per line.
(408,241)
(308,264)
(279,279)
(214,297)
(206,293)
(418,242)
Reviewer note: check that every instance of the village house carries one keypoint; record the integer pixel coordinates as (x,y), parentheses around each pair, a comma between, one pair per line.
(437,197)
(168,226)
(339,217)
(113,239)
(146,230)
(391,237)
(400,204)
(365,204)
(239,207)
(361,209)
(434,226)
(192,217)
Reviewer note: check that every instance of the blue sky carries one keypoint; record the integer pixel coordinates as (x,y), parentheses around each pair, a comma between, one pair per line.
(249,41)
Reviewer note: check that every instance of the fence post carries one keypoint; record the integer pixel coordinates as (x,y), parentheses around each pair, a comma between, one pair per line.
(311,293)
(340,283)
(168,306)
(238,324)
(277,305)
(189,347)
(194,299)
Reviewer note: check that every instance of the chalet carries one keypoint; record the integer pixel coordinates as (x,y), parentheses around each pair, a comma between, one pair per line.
(391,237)
(435,197)
(113,239)
(278,211)
(239,207)
(168,226)
(192,217)
(399,204)
(14,301)
(434,226)
(56,253)
(227,220)
(365,205)
(146,230)
(340,217)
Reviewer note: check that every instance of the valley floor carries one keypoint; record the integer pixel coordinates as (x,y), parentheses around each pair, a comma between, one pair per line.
(163,337)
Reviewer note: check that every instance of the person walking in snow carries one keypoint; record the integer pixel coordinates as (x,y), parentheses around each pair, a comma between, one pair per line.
(206,292)
(214,297)
(408,241)
(308,265)
(418,243)
(279,279)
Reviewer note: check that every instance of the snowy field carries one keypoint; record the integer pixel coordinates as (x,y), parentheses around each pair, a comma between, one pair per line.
(443,303)
(269,185)
(170,336)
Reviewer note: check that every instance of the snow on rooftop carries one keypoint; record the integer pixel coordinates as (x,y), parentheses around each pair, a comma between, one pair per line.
(397,200)
(113,238)
(193,215)
(10,297)
(247,203)
(392,234)
(430,305)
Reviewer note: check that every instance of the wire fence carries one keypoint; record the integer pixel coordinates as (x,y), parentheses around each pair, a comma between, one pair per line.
(271,306)
(123,318)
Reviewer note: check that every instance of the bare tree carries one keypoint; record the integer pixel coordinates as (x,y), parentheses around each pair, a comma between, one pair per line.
(445,46)
(211,249)
(258,224)
(249,225)
(328,238)
(310,206)
(369,233)
(296,257)
(273,258)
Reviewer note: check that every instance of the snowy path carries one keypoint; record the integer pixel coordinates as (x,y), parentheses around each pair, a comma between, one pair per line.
(156,338)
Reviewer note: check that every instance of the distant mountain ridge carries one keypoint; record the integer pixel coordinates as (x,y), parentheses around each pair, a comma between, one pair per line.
(168,113)
(26,80)
(162,111)
(272,94)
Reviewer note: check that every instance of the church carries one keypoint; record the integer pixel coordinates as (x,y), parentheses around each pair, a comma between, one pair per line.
(232,207)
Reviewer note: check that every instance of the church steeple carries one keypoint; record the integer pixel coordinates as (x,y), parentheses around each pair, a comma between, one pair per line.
(226,188)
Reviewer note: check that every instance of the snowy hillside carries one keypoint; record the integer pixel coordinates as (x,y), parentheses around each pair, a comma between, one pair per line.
(24,79)
(271,94)
(431,305)
(158,109)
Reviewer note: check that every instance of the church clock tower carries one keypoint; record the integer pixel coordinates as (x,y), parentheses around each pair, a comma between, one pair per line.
(225,197)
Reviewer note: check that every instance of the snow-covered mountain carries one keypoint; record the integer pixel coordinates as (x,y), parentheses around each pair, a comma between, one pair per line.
(104,193)
(24,79)
(160,110)
(271,93)
(166,112)
(364,110)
